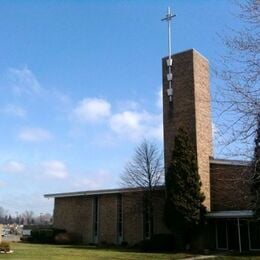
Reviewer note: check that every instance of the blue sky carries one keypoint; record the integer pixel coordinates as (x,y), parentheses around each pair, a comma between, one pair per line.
(80,84)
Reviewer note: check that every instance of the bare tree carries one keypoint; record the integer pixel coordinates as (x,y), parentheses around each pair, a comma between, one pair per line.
(240,71)
(2,214)
(145,171)
(28,217)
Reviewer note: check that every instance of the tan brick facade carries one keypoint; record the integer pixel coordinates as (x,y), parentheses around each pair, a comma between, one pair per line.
(230,187)
(75,214)
(190,110)
(108,218)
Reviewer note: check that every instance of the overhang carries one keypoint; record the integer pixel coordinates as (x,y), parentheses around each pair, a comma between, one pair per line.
(229,162)
(97,192)
(231,214)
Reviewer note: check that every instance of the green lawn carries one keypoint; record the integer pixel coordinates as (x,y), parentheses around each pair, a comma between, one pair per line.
(38,251)
(241,257)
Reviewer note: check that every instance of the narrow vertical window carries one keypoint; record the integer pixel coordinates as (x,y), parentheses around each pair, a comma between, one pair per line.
(119,219)
(147,222)
(95,219)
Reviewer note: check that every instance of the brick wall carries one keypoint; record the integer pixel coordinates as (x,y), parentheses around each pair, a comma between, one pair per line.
(132,217)
(108,218)
(159,226)
(230,189)
(189,110)
(75,214)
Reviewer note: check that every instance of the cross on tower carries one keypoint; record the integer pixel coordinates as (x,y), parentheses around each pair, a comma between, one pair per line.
(168,18)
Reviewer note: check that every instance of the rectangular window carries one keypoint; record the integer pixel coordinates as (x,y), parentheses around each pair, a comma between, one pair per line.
(147,222)
(254,233)
(95,219)
(119,219)
(221,235)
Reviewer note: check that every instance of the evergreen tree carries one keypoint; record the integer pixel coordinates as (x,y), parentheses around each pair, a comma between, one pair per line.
(183,207)
(256,172)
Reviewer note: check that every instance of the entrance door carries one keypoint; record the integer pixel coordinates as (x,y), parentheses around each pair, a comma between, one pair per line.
(233,240)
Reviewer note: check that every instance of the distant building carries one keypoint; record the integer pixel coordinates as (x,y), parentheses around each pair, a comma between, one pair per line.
(117,215)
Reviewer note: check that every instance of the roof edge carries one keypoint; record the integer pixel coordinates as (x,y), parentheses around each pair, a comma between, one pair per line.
(188,50)
(231,214)
(229,162)
(96,192)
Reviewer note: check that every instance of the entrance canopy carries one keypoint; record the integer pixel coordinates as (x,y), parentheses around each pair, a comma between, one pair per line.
(235,230)
(230,214)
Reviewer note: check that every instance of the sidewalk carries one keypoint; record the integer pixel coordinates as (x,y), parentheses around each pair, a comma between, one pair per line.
(200,257)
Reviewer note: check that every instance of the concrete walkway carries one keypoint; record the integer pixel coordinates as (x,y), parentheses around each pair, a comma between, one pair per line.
(200,257)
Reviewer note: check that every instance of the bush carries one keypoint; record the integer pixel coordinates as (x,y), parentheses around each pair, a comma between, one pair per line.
(75,238)
(45,235)
(5,246)
(62,238)
(124,243)
(158,242)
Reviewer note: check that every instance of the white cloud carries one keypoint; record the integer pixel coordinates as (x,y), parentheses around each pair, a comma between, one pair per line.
(136,125)
(128,105)
(159,99)
(34,135)
(13,167)
(131,123)
(14,110)
(54,169)
(96,180)
(24,81)
(92,110)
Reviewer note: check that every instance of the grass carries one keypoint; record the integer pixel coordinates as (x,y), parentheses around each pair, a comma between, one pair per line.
(62,252)
(66,252)
(238,257)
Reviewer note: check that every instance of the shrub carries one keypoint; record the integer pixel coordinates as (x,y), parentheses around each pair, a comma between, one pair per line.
(62,238)
(42,235)
(124,243)
(5,246)
(75,238)
(45,235)
(158,242)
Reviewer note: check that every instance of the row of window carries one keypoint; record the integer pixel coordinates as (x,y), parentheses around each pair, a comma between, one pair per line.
(238,234)
(146,219)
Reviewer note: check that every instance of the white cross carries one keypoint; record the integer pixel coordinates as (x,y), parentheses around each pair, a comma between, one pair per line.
(168,18)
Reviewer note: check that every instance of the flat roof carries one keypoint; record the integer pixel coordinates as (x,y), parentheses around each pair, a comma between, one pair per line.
(231,214)
(229,162)
(96,192)
(184,51)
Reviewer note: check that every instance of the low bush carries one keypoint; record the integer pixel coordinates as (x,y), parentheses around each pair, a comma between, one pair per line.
(45,235)
(124,243)
(158,242)
(62,238)
(5,246)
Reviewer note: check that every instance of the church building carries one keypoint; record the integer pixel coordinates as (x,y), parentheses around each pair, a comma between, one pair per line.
(116,215)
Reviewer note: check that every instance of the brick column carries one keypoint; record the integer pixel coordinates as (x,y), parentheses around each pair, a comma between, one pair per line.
(189,110)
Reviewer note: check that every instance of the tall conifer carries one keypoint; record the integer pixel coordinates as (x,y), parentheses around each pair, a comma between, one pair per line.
(183,209)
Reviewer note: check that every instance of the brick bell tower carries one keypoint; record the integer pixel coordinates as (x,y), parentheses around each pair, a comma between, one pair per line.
(186,105)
